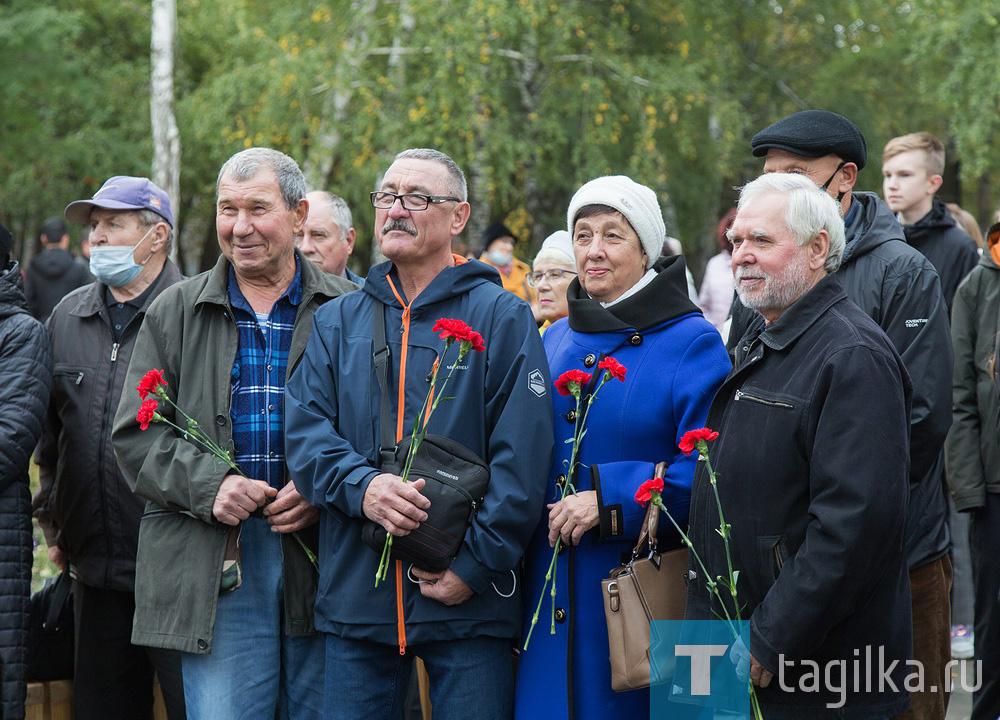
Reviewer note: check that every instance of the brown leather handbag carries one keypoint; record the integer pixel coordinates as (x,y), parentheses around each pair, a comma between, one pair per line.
(649,587)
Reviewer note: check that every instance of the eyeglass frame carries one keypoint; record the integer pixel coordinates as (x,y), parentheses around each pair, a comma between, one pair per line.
(532,282)
(430,199)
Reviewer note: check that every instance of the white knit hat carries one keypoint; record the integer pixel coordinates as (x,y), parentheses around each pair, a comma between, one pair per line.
(636,202)
(558,247)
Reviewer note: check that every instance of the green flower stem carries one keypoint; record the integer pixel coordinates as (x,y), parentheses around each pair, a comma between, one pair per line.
(724,531)
(568,488)
(196,434)
(549,574)
(418,434)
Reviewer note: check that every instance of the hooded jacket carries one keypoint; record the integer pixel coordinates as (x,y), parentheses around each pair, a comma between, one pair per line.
(189,333)
(899,289)
(83,503)
(949,248)
(51,276)
(25,378)
(811,466)
(972,451)
(675,361)
(500,410)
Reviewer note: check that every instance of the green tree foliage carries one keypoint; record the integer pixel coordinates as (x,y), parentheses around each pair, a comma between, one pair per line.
(74,77)
(531,97)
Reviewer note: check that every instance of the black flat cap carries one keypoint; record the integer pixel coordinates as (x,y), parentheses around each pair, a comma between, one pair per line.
(812,134)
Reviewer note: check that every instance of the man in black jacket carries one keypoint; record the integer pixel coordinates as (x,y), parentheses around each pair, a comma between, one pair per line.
(899,289)
(811,465)
(25,377)
(54,273)
(88,514)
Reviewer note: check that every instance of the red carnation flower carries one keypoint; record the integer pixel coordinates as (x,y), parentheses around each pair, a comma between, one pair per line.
(150,383)
(451,329)
(476,342)
(691,438)
(146,414)
(579,377)
(614,367)
(645,492)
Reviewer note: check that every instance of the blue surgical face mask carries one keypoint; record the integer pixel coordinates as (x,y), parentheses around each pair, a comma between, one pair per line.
(116,266)
(499,257)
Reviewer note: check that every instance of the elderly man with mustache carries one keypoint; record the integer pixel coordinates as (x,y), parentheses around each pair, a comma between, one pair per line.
(460,621)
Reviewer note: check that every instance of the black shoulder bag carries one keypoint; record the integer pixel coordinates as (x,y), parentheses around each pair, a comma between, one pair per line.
(456,480)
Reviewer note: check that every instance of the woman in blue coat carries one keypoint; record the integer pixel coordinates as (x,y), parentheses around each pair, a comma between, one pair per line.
(629,304)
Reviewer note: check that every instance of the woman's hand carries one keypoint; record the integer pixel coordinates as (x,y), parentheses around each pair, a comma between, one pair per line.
(572,516)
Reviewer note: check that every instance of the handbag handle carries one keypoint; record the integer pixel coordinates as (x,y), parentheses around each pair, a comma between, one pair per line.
(647,535)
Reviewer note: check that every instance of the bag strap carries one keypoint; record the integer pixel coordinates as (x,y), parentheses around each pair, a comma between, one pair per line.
(380,358)
(647,535)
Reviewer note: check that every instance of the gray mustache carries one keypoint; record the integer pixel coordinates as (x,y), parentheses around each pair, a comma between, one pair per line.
(399,225)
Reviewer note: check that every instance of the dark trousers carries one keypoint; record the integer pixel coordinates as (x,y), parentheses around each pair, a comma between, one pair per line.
(112,677)
(984,539)
(930,586)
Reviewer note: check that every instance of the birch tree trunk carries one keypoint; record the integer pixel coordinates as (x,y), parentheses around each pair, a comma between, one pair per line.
(166,138)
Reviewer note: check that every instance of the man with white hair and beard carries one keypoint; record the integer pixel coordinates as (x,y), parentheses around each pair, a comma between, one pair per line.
(811,465)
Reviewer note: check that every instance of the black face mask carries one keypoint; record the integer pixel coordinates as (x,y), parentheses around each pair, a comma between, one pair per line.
(826,185)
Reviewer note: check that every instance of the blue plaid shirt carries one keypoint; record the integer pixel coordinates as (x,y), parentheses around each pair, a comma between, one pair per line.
(257,403)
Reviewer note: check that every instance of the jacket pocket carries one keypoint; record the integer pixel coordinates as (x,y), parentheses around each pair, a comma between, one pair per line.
(772,552)
(768,399)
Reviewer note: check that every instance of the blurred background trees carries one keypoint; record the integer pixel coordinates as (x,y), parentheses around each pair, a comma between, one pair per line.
(531,97)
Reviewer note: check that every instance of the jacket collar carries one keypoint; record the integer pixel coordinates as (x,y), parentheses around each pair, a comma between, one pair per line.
(803,313)
(92,300)
(665,298)
(314,282)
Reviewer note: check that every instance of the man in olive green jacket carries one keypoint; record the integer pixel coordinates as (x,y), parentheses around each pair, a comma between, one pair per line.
(226,342)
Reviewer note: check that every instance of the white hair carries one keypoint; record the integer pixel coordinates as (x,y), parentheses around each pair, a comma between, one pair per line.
(341,213)
(808,210)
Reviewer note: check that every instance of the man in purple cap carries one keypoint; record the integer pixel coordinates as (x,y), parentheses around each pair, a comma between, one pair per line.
(900,290)
(89,515)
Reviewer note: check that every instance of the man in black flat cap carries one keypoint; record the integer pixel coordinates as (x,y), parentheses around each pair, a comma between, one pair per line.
(900,290)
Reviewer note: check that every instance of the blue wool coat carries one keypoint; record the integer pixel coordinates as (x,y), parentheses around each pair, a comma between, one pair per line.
(675,361)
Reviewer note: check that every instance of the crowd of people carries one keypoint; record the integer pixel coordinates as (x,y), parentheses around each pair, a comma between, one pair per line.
(215,451)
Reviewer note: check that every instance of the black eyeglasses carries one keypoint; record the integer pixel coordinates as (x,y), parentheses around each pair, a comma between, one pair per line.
(411,201)
(550,275)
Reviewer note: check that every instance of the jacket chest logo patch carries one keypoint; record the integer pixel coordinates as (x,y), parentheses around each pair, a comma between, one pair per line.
(536,383)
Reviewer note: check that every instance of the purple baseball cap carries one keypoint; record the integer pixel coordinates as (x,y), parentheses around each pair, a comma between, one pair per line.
(123,193)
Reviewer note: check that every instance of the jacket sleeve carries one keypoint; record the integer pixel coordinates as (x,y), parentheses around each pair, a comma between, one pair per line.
(697,377)
(519,450)
(25,380)
(858,490)
(328,471)
(157,463)
(963,457)
(46,457)
(915,317)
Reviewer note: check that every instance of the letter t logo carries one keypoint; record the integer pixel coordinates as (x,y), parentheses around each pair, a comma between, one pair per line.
(701,664)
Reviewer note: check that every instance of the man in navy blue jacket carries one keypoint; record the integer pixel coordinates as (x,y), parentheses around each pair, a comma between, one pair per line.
(460,621)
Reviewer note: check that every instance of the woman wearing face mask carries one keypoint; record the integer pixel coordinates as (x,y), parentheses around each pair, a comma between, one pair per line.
(553,270)
(498,251)
(628,303)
